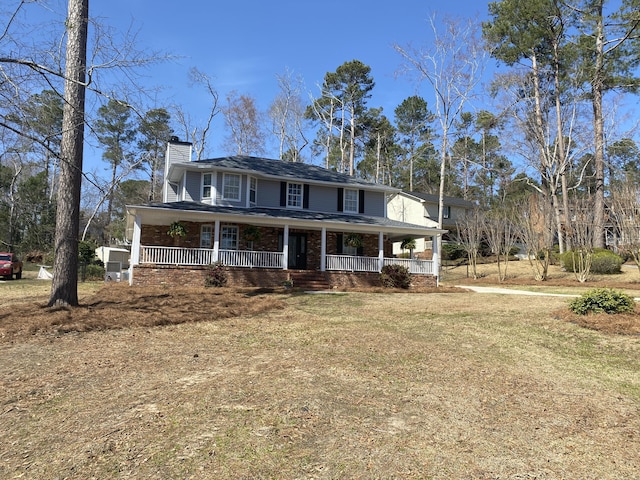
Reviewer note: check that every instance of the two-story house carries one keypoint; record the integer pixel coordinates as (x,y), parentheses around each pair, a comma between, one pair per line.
(267,221)
(422,209)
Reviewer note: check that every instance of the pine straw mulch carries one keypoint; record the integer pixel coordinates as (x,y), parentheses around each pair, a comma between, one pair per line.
(120,306)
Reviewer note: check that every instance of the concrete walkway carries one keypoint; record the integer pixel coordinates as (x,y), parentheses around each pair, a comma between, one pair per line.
(509,291)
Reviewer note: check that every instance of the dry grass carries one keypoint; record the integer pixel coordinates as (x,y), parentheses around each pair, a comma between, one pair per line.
(250,384)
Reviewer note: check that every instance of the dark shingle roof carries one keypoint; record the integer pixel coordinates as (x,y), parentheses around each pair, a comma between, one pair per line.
(428,197)
(281,169)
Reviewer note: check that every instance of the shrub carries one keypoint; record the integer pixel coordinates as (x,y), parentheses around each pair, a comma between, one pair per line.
(216,275)
(603,262)
(93,272)
(602,300)
(453,251)
(395,276)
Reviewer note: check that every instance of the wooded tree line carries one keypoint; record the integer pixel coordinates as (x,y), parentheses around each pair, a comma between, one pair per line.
(548,124)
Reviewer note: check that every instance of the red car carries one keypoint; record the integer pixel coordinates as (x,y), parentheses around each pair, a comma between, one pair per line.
(10,265)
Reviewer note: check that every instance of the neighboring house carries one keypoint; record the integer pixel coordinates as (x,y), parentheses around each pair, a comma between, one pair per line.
(268,221)
(422,209)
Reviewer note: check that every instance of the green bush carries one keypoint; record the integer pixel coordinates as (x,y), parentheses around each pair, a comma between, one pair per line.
(453,251)
(216,275)
(602,300)
(395,276)
(603,262)
(93,272)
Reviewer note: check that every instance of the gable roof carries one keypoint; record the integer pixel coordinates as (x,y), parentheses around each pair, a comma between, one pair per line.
(449,201)
(276,169)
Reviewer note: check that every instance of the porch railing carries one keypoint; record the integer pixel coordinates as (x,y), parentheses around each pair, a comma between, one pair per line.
(352,264)
(417,267)
(251,259)
(205,256)
(258,259)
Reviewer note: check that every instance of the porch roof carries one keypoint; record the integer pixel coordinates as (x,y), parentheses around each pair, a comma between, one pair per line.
(165,213)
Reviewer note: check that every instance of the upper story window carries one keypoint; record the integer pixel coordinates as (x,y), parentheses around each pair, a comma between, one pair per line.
(231,186)
(294,195)
(446,211)
(207,180)
(253,190)
(351,201)
(206,236)
(229,237)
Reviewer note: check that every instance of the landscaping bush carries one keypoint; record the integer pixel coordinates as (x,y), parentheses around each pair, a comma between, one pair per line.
(216,275)
(603,262)
(395,276)
(602,300)
(93,272)
(453,251)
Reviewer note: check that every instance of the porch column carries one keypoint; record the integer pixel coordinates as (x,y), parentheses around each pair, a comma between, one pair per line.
(435,257)
(323,250)
(285,248)
(216,240)
(380,251)
(135,248)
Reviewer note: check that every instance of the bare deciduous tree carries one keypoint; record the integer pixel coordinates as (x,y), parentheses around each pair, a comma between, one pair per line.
(452,65)
(287,117)
(502,233)
(536,232)
(470,234)
(198,135)
(244,121)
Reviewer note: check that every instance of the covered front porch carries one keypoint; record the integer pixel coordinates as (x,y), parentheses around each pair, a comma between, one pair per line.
(262,243)
(161,255)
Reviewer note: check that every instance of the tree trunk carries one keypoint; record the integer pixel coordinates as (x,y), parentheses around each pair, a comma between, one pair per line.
(597,88)
(64,287)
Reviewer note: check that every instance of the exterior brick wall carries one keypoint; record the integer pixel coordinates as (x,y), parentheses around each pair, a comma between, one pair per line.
(156,275)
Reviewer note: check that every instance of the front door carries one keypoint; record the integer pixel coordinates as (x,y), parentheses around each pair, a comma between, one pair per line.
(297,251)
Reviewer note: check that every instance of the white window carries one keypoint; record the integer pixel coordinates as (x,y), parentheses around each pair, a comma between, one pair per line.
(231,186)
(294,195)
(229,237)
(446,212)
(206,185)
(253,190)
(351,201)
(205,236)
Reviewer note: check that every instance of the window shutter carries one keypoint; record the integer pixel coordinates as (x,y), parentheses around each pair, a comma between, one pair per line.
(283,194)
(361,201)
(339,244)
(305,196)
(341,199)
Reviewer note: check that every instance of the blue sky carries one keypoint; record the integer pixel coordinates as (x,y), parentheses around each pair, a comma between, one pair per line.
(244,44)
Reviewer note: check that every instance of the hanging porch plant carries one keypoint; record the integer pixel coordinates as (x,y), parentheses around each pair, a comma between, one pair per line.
(177,229)
(353,240)
(251,233)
